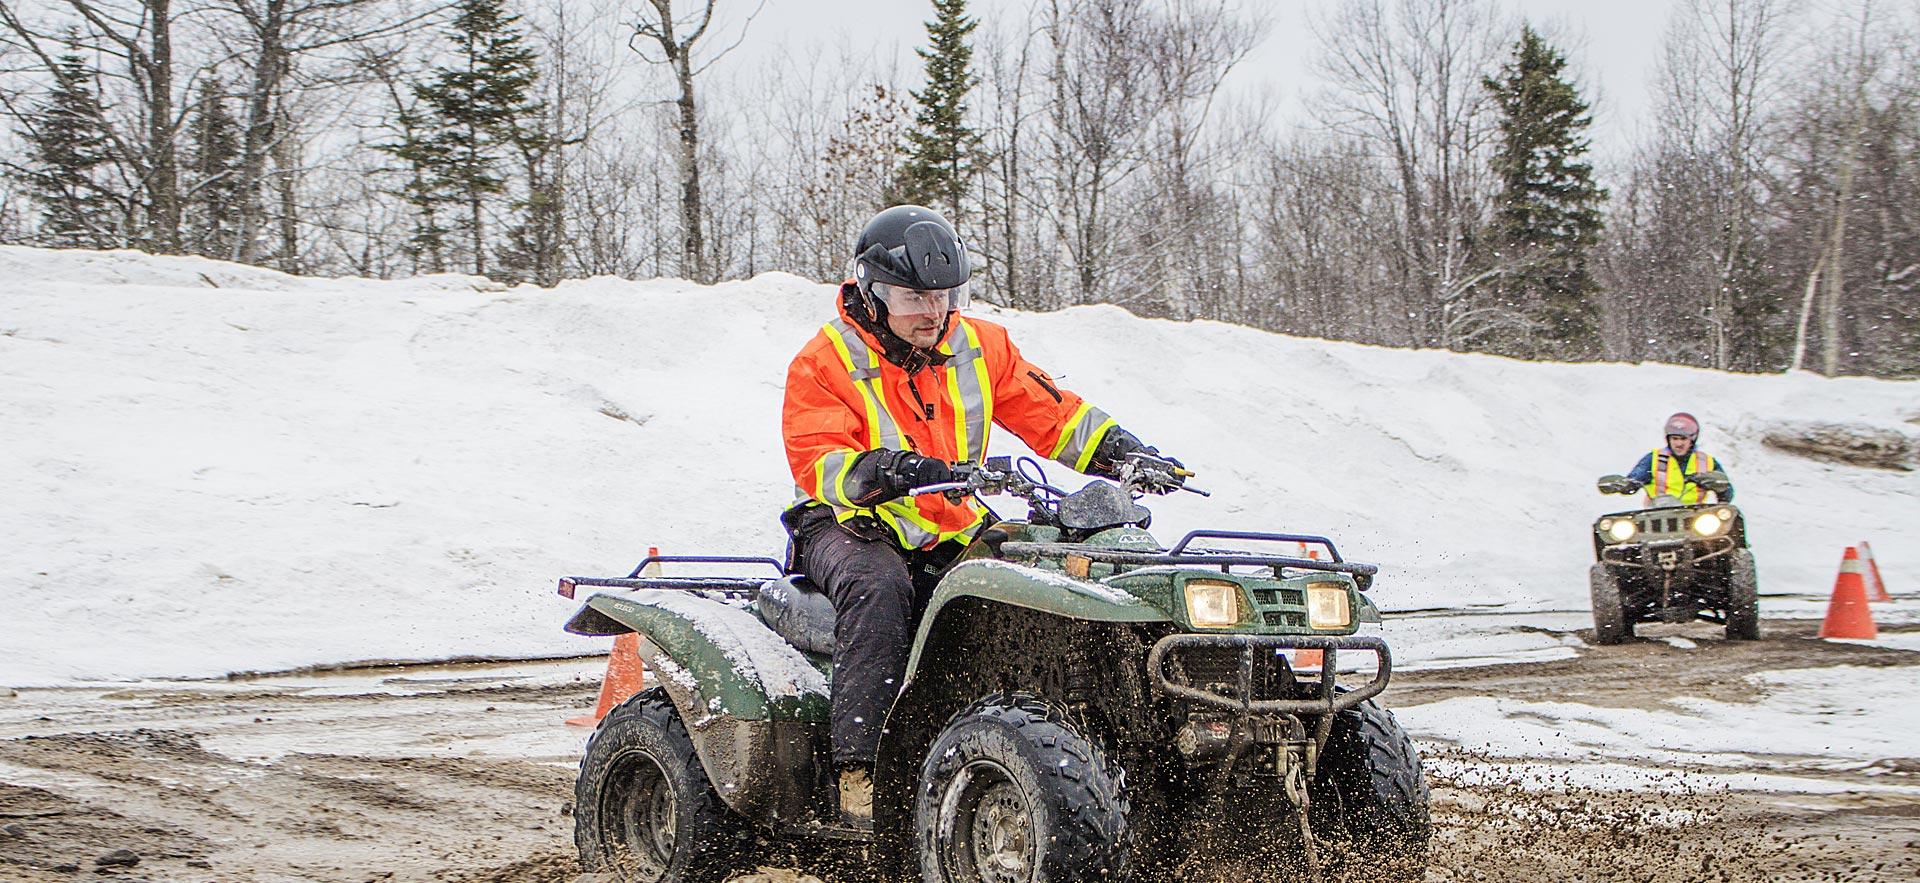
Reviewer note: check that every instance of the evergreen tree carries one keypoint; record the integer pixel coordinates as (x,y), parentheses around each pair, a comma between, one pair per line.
(423,158)
(1547,214)
(941,150)
(477,104)
(213,175)
(67,148)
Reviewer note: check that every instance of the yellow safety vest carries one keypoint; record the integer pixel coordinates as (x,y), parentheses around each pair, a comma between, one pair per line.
(1670,473)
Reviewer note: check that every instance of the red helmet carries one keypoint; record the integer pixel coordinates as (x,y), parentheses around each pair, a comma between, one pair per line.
(1684,423)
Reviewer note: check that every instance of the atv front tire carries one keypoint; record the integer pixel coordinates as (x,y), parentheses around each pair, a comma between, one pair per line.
(1743,598)
(1369,796)
(1012,792)
(1610,625)
(644,810)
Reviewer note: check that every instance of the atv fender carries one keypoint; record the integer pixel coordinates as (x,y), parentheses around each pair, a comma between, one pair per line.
(751,702)
(1048,591)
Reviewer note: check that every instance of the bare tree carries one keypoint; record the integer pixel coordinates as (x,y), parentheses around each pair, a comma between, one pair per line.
(139,33)
(676,40)
(1719,81)
(1404,77)
(1186,208)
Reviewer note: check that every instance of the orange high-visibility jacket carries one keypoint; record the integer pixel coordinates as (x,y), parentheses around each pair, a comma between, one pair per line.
(844,398)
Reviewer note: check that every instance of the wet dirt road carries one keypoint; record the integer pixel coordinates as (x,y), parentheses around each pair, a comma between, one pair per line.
(463,773)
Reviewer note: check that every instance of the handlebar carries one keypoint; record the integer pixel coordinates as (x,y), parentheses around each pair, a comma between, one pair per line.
(1138,472)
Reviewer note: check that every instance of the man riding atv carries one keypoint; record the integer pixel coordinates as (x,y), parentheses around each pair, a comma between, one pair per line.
(899,392)
(1669,472)
(1682,557)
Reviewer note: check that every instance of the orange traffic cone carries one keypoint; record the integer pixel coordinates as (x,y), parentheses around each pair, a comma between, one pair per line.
(1847,613)
(626,675)
(1876,590)
(1306,659)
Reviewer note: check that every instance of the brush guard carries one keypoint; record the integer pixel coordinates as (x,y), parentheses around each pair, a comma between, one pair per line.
(1298,749)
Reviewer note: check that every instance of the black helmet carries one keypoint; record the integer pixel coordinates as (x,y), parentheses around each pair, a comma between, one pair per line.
(909,260)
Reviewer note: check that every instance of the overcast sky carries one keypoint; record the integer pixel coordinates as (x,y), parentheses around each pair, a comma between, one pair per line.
(1617,44)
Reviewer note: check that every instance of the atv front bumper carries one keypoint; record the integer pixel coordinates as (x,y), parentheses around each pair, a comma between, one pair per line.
(1666,555)
(1251,647)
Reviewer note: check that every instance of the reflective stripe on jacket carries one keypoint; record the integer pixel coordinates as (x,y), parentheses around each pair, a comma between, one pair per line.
(844,398)
(1669,475)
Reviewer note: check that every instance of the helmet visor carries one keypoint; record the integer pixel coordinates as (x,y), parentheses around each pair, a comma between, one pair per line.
(904,301)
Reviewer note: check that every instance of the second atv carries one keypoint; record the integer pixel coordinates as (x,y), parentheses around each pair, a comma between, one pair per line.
(1672,562)
(1081,704)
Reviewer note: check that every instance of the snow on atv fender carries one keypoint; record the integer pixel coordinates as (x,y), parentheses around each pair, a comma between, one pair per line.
(752,703)
(721,658)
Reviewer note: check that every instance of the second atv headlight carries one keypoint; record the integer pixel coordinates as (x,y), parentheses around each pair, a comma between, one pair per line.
(1212,603)
(1620,530)
(1708,524)
(1327,607)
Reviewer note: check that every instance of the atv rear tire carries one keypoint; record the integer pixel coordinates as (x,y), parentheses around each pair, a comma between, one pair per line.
(1743,598)
(1011,792)
(1610,625)
(643,808)
(1369,796)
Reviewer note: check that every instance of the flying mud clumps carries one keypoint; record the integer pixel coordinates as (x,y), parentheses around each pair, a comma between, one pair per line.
(1498,821)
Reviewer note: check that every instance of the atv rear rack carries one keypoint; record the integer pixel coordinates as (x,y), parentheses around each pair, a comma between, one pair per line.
(738,586)
(1328,702)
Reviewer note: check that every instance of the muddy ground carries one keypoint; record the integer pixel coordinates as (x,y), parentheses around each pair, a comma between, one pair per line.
(463,773)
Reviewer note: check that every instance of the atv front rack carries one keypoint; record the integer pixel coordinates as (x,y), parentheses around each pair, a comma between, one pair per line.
(740,586)
(1328,702)
(1181,554)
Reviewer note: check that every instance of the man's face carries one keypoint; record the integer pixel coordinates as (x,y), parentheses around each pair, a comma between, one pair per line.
(1679,445)
(920,329)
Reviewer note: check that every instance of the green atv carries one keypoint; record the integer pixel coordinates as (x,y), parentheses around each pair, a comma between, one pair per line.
(1673,562)
(1081,704)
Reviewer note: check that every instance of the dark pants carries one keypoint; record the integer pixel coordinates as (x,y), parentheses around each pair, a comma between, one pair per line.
(879,592)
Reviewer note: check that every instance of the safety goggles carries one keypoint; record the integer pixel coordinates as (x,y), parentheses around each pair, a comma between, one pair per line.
(903,301)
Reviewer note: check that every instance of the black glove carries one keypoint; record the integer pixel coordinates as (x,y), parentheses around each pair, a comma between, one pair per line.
(1113,451)
(1714,480)
(908,470)
(1618,484)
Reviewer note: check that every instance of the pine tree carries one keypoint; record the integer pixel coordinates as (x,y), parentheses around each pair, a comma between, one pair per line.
(1547,214)
(476,104)
(942,150)
(422,158)
(213,175)
(67,146)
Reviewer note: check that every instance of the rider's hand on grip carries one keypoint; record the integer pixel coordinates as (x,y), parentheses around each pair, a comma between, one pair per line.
(910,470)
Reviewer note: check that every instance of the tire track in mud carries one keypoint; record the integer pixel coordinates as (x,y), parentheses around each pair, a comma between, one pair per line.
(223,784)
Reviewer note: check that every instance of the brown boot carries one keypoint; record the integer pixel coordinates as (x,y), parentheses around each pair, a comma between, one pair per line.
(856,796)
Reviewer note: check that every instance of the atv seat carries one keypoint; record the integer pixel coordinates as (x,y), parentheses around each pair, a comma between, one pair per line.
(798,612)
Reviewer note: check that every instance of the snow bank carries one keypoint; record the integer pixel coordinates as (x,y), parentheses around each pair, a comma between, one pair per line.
(1802,716)
(207,468)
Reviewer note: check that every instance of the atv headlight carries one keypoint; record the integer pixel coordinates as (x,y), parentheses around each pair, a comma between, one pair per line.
(1708,524)
(1212,603)
(1619,530)
(1327,607)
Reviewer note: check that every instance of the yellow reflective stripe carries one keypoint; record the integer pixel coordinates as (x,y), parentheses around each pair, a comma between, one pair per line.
(1081,437)
(1093,444)
(971,392)
(1066,432)
(845,465)
(866,394)
(986,393)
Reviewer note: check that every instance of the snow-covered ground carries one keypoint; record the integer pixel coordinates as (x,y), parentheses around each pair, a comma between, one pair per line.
(207,468)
